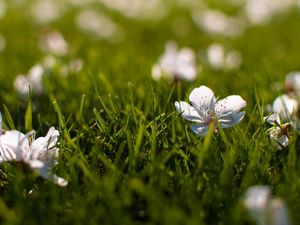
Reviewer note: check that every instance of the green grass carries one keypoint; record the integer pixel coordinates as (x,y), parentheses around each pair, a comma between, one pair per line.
(128,156)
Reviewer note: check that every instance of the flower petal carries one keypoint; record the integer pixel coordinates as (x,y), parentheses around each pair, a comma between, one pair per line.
(13,145)
(285,106)
(231,119)
(203,99)
(45,172)
(230,105)
(41,148)
(272,119)
(188,112)
(283,140)
(62,182)
(35,164)
(200,130)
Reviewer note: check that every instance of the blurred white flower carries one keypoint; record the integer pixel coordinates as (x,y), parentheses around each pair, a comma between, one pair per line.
(74,66)
(80,3)
(33,81)
(263,208)
(279,132)
(277,213)
(256,200)
(3,8)
(40,155)
(90,21)
(285,106)
(46,11)
(150,9)
(218,58)
(175,65)
(54,43)
(22,85)
(292,83)
(206,110)
(260,12)
(218,23)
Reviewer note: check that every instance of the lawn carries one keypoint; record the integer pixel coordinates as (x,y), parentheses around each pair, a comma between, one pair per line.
(128,156)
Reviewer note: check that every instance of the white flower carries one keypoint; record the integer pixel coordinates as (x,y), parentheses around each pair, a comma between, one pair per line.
(265,209)
(46,11)
(175,65)
(285,106)
(3,8)
(33,81)
(150,10)
(292,83)
(99,25)
(219,58)
(12,145)
(279,132)
(216,22)
(40,155)
(261,11)
(256,200)
(53,42)
(206,109)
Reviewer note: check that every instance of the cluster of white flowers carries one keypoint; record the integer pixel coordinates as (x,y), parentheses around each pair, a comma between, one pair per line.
(265,209)
(175,65)
(248,13)
(285,107)
(40,154)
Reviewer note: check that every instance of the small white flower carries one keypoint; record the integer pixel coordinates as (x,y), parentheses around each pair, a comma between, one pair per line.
(99,25)
(40,155)
(46,11)
(74,66)
(175,65)
(33,81)
(219,58)
(206,109)
(22,85)
(260,12)
(12,145)
(3,8)
(279,132)
(265,209)
(285,106)
(292,83)
(54,43)
(216,22)
(150,10)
